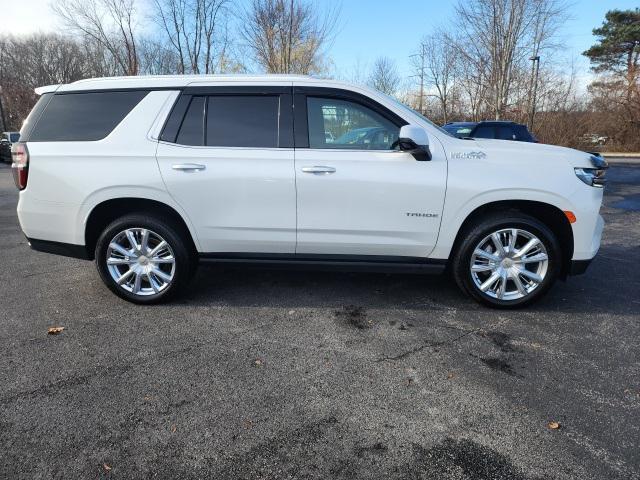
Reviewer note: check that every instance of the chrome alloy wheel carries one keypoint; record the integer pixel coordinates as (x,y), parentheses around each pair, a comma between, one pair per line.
(509,264)
(141,261)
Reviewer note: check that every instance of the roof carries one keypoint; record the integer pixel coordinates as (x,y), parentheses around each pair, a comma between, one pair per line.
(498,122)
(179,81)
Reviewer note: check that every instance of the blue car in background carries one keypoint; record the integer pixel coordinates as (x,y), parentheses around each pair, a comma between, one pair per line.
(495,129)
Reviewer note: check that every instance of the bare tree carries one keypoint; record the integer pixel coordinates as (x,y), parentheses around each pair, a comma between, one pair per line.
(384,76)
(436,67)
(156,58)
(287,36)
(197,31)
(28,62)
(498,36)
(471,82)
(358,72)
(110,23)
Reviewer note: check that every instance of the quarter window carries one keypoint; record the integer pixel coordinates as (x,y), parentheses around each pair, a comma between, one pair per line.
(82,116)
(192,128)
(522,133)
(341,124)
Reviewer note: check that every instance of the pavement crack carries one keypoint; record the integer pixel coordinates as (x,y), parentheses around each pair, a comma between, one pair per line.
(55,270)
(419,348)
(53,388)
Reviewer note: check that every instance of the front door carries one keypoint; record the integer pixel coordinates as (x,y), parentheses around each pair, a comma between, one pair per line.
(358,194)
(226,157)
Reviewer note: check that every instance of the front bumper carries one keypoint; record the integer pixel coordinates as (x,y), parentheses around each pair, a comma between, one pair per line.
(579,264)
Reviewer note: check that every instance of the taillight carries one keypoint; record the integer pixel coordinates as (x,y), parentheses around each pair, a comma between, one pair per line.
(20,165)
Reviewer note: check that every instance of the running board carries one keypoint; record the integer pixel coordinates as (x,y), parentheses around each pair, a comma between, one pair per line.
(366,263)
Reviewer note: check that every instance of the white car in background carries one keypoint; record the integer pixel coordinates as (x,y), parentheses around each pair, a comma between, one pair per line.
(594,139)
(150,175)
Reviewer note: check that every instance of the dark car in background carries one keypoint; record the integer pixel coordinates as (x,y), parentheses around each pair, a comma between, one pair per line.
(495,129)
(6,140)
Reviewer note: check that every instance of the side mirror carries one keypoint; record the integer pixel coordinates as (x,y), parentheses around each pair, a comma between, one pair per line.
(414,140)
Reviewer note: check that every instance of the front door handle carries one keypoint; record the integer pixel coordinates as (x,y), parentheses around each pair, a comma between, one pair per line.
(319,170)
(189,167)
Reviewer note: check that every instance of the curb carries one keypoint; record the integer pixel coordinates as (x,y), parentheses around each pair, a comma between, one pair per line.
(622,158)
(621,154)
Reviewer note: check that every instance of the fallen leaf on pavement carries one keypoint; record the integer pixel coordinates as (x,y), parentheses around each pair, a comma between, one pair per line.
(55,330)
(450,376)
(258,362)
(553,425)
(173,428)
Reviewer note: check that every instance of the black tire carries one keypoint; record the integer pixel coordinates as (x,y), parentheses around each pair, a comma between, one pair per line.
(475,233)
(185,258)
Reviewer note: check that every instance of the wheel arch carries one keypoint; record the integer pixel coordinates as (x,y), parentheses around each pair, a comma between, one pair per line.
(107,211)
(550,215)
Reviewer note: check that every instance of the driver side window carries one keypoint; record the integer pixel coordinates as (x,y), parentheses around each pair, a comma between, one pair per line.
(341,124)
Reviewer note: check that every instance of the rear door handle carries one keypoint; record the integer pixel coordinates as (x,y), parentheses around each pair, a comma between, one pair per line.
(189,167)
(319,170)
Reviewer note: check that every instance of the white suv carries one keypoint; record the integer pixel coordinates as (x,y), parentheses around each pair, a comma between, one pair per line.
(150,175)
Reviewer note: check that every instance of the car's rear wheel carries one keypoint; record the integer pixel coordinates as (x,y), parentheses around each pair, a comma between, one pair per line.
(507,260)
(143,259)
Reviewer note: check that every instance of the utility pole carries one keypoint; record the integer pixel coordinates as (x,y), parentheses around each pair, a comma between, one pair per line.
(535,71)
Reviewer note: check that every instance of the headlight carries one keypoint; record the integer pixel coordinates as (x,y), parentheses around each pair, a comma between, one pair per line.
(593,177)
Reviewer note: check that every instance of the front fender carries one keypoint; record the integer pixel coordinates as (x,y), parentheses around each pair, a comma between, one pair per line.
(455,213)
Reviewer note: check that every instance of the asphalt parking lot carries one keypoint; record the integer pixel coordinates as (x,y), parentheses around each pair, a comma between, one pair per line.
(288,375)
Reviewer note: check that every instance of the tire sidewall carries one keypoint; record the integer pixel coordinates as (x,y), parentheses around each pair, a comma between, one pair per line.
(475,235)
(183,265)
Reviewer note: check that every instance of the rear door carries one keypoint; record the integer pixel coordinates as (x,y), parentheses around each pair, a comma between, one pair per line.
(226,156)
(357,193)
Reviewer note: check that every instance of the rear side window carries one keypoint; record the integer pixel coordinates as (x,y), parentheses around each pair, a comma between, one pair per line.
(506,132)
(242,121)
(83,116)
(484,131)
(231,121)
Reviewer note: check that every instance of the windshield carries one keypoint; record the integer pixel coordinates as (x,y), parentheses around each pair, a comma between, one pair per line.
(411,110)
(458,130)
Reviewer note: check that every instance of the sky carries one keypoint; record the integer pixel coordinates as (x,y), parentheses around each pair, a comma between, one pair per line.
(367,29)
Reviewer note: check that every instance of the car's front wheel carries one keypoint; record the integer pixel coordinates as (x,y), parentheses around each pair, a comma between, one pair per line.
(507,260)
(143,259)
